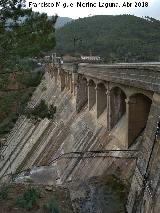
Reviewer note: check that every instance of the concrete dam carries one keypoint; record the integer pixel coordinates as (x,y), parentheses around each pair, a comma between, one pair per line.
(107,122)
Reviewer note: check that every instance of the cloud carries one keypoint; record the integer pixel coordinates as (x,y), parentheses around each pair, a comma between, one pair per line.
(153,10)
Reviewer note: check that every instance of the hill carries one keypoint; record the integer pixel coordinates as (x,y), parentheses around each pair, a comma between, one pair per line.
(61,21)
(116,38)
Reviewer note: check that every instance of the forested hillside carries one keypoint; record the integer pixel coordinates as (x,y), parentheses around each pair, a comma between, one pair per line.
(115,38)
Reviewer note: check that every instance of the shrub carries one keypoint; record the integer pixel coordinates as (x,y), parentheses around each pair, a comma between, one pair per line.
(28,199)
(41,111)
(11,105)
(6,125)
(30,79)
(52,111)
(4,189)
(52,206)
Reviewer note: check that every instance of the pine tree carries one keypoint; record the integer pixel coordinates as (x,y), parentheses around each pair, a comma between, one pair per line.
(23,33)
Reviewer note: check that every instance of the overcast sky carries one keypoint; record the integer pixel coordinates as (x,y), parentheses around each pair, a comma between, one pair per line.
(153,9)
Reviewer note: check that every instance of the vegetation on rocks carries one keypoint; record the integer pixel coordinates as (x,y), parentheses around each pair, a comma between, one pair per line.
(4,189)
(11,105)
(29,198)
(35,198)
(41,111)
(30,78)
(52,206)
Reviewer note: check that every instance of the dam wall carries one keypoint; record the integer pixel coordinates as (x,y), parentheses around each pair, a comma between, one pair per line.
(101,126)
(39,143)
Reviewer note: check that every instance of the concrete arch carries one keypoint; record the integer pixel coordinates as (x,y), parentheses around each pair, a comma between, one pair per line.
(101,98)
(138,111)
(117,105)
(95,80)
(124,89)
(84,78)
(91,94)
(91,81)
(135,91)
(102,83)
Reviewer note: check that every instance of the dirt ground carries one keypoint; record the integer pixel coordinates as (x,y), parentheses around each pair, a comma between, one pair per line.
(46,193)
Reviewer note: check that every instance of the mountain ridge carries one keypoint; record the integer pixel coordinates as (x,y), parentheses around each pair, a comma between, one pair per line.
(115,38)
